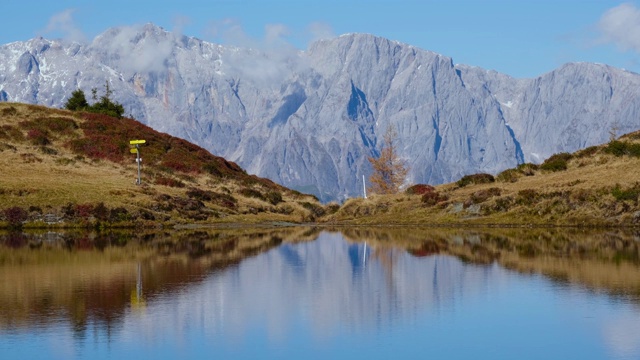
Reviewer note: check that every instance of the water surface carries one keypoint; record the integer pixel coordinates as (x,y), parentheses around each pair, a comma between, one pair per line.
(311,293)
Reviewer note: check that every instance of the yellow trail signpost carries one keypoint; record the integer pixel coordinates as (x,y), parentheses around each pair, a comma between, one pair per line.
(136,150)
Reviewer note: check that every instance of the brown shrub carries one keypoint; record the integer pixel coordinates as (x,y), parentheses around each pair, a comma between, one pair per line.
(419,189)
(475,179)
(167,181)
(15,216)
(483,195)
(432,198)
(202,195)
(224,200)
(38,137)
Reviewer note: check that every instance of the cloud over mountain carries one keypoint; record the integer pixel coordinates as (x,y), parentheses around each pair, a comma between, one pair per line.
(309,119)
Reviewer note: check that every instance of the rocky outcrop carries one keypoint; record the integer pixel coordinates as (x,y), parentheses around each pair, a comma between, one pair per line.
(309,120)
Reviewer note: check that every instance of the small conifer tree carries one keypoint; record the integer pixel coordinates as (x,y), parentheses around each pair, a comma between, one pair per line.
(77,101)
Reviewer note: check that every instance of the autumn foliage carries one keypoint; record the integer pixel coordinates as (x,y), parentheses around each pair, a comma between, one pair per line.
(389,170)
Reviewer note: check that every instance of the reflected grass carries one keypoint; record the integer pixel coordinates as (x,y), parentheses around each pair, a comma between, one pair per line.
(94,277)
(598,260)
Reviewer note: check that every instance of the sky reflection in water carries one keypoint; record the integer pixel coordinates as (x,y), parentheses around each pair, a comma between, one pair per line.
(327,298)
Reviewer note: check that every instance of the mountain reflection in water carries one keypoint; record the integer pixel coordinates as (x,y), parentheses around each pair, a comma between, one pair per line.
(217,287)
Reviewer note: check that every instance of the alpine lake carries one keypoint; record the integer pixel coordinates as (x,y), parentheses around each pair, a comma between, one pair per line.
(321,293)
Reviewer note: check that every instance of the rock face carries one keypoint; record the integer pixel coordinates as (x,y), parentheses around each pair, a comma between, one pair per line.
(309,120)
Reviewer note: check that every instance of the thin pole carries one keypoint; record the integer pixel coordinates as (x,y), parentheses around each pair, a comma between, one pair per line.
(364,187)
(138,160)
(364,256)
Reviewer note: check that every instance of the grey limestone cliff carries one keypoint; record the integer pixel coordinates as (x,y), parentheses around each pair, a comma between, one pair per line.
(309,119)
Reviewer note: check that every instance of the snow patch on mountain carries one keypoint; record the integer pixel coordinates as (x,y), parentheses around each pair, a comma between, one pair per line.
(310,119)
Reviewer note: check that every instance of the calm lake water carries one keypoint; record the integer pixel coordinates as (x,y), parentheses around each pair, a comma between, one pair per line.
(321,294)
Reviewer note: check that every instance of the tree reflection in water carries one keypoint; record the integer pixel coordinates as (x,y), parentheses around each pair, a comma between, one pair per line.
(91,280)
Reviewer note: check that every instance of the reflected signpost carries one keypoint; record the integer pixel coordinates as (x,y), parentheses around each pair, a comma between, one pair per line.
(136,150)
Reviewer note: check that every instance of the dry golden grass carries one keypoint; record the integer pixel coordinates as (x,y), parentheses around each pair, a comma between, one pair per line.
(580,195)
(595,259)
(53,278)
(52,176)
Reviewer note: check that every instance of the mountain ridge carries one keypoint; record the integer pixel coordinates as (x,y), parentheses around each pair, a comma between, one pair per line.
(309,119)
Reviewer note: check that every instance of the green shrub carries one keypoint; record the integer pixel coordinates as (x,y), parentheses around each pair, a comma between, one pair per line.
(528,169)
(274,197)
(10,111)
(119,214)
(332,208)
(11,133)
(316,210)
(48,151)
(248,192)
(557,162)
(527,197)
(509,175)
(620,148)
(502,204)
(631,193)
(587,152)
(212,169)
(616,148)
(475,179)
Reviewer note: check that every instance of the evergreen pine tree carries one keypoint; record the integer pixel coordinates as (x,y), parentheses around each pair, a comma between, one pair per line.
(77,101)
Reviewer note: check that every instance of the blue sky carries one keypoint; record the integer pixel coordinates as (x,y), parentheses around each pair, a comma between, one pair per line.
(522,38)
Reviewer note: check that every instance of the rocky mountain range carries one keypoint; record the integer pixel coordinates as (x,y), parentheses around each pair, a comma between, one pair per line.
(310,119)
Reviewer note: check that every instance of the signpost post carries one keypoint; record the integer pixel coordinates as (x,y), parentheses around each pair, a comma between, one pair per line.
(136,150)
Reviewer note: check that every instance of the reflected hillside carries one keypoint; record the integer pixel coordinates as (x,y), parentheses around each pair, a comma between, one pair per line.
(90,278)
(231,282)
(599,260)
(331,284)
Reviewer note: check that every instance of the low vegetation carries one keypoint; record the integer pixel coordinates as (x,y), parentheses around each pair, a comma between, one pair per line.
(596,186)
(64,168)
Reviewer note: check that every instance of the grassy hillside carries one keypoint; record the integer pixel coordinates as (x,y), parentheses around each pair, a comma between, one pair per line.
(67,168)
(62,168)
(597,186)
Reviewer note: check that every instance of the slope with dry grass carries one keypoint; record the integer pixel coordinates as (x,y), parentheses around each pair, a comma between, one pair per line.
(61,167)
(597,186)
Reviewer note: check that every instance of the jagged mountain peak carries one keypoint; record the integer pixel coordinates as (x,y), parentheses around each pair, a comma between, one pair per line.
(309,120)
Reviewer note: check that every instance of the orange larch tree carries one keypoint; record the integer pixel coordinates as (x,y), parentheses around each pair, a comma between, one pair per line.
(389,170)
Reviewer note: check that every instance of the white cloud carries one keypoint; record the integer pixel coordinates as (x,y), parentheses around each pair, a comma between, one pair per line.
(276,33)
(140,51)
(274,58)
(179,23)
(320,31)
(621,26)
(63,24)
